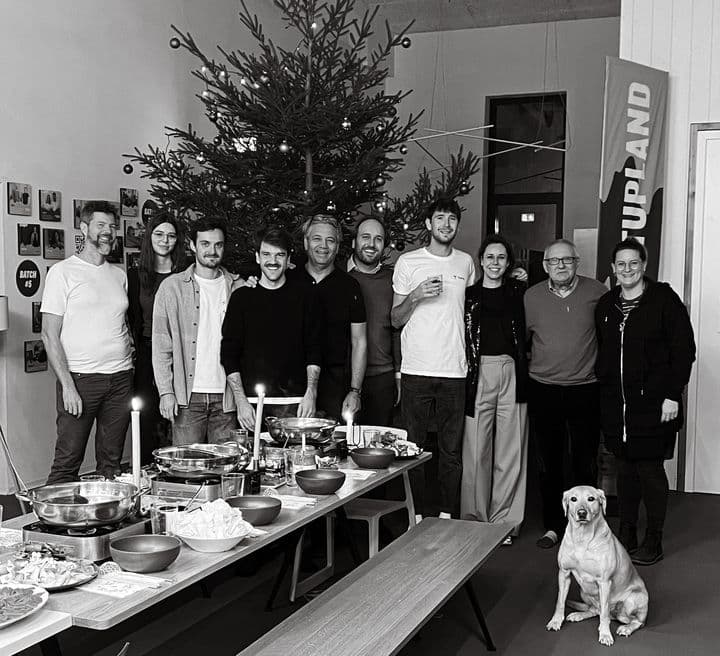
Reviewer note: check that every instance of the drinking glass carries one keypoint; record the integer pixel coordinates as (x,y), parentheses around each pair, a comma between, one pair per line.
(162,518)
(369,436)
(239,435)
(296,460)
(233,484)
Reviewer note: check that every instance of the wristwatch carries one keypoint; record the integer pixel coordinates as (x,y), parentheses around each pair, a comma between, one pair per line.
(357,390)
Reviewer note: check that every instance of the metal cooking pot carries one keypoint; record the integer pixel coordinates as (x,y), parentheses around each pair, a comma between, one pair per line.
(82,504)
(195,461)
(290,430)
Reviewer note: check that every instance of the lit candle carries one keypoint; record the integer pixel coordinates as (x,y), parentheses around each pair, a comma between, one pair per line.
(135,434)
(260,393)
(349,431)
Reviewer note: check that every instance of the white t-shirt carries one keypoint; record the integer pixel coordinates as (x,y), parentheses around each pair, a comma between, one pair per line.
(433,340)
(92,300)
(209,373)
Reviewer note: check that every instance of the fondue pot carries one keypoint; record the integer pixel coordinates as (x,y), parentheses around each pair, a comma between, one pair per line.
(199,461)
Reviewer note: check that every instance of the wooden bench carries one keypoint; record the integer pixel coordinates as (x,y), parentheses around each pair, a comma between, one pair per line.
(379,606)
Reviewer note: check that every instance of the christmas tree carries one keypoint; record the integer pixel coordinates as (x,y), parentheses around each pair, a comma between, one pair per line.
(299,131)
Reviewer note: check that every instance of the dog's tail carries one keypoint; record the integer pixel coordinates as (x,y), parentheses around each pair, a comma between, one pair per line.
(577,605)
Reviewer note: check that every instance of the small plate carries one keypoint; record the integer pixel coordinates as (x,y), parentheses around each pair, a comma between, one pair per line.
(91,571)
(43,594)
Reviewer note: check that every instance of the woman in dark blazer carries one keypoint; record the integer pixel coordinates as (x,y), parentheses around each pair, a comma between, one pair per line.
(645,353)
(161,254)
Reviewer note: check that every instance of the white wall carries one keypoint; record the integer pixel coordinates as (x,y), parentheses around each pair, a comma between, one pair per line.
(84,82)
(452,74)
(682,37)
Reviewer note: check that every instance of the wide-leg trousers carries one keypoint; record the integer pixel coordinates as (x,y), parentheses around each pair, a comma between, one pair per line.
(495,448)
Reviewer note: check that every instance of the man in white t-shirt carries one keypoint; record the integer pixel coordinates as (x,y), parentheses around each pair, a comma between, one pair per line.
(187,331)
(428,303)
(88,345)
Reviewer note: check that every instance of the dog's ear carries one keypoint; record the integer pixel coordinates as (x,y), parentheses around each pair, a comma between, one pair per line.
(602,500)
(566,502)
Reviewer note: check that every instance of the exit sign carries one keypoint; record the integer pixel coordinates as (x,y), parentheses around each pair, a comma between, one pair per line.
(527,217)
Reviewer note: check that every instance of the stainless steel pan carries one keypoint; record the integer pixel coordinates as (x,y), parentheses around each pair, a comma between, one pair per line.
(195,461)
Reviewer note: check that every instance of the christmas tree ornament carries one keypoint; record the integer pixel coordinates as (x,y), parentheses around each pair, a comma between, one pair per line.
(204,70)
(380,181)
(400,245)
(264,79)
(174,43)
(392,244)
(224,187)
(206,94)
(464,188)
(243,81)
(346,125)
(392,111)
(222,75)
(284,147)
(331,207)
(406,226)
(406,43)
(128,169)
(212,116)
(364,181)
(217,141)
(380,127)
(200,158)
(403,149)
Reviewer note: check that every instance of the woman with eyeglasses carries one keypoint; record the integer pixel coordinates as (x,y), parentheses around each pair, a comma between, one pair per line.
(645,353)
(496,427)
(161,254)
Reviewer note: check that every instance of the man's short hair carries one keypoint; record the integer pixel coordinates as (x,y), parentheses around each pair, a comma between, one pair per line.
(326,219)
(557,242)
(630,244)
(443,204)
(101,206)
(206,223)
(276,237)
(370,218)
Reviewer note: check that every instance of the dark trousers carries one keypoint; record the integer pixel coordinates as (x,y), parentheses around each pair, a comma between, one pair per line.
(378,399)
(445,397)
(565,424)
(154,428)
(333,386)
(642,480)
(106,400)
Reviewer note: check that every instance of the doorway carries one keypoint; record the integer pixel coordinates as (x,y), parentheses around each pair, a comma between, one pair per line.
(525,184)
(700,466)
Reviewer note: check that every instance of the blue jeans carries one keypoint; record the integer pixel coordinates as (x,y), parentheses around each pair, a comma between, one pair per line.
(106,400)
(445,397)
(203,420)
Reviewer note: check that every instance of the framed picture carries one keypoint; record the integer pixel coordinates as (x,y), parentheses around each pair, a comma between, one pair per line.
(36,317)
(132,260)
(19,198)
(28,239)
(53,244)
(134,233)
(78,205)
(115,256)
(79,243)
(128,202)
(50,205)
(35,356)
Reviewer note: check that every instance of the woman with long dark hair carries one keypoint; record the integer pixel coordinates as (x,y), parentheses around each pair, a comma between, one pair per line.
(161,254)
(496,427)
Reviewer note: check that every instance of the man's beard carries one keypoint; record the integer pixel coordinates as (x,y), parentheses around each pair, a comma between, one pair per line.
(360,255)
(102,247)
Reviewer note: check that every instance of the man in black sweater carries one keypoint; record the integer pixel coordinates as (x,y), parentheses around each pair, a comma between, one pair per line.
(272,334)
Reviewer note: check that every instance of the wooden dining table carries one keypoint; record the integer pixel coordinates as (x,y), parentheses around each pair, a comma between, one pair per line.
(97,611)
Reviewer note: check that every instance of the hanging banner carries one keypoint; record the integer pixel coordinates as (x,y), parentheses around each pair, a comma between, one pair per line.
(632,172)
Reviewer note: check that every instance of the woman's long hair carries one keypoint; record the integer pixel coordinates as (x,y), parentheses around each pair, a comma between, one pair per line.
(146,267)
(498,239)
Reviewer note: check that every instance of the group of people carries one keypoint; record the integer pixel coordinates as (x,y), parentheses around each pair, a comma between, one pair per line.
(477,358)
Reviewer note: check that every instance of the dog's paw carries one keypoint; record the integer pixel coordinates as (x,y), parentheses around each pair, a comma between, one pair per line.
(606,638)
(625,630)
(555,623)
(577,617)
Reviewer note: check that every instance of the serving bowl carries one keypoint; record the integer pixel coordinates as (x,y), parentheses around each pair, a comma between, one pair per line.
(212,545)
(145,553)
(256,510)
(372,458)
(292,430)
(320,481)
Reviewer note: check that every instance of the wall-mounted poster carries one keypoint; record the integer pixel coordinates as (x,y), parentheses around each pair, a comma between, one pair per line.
(132,261)
(53,244)
(35,356)
(36,317)
(149,209)
(19,199)
(50,205)
(128,201)
(28,239)
(78,205)
(134,232)
(115,256)
(27,278)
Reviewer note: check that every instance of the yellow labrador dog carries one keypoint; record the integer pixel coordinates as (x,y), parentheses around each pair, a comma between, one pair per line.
(609,583)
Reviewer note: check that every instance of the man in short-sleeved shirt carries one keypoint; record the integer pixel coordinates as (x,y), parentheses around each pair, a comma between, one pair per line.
(88,345)
(429,297)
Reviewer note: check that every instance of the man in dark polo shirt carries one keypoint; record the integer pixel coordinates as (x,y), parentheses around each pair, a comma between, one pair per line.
(381,388)
(271,335)
(342,312)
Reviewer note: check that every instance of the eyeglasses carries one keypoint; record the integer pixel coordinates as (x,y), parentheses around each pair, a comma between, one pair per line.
(633,265)
(554,261)
(164,235)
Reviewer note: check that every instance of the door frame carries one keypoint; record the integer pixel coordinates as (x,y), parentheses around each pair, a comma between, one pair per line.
(686,438)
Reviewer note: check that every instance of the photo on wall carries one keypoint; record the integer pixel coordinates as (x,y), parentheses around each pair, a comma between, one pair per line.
(53,244)
(128,202)
(134,233)
(115,256)
(132,260)
(35,356)
(28,239)
(50,205)
(19,199)
(36,317)
(78,205)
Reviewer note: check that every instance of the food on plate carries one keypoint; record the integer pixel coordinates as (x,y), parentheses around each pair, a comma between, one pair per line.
(45,571)
(18,602)
(402,448)
(213,520)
